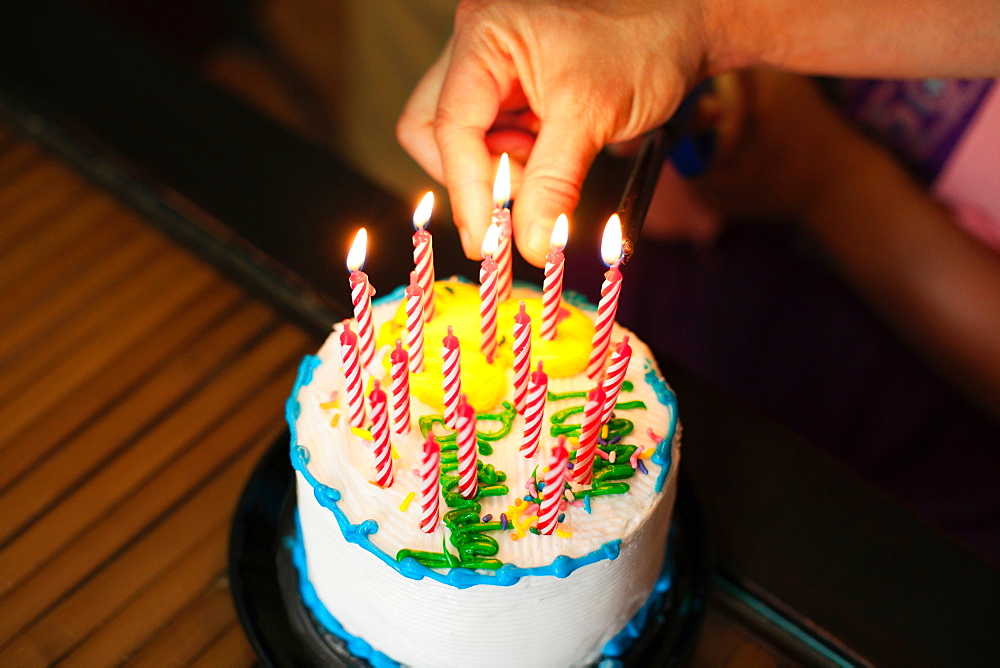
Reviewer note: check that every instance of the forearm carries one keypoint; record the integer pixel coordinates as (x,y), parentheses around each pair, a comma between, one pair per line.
(934,283)
(887,39)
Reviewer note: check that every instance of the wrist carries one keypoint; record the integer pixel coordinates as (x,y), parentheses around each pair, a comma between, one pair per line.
(733,37)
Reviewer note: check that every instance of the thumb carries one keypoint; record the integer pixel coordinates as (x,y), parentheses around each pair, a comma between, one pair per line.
(553,177)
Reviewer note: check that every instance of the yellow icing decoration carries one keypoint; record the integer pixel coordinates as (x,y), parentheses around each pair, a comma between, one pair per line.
(406,502)
(362,433)
(562,533)
(330,404)
(486,384)
(336,420)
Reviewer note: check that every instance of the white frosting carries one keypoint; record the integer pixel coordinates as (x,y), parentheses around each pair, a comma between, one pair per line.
(541,620)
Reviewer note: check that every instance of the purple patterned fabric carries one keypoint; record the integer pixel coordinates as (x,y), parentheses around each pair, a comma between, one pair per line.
(921,120)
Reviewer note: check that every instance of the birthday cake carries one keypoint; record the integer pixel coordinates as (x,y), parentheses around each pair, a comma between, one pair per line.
(412,572)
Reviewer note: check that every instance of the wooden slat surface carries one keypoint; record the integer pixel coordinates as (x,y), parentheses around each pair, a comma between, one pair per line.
(138,388)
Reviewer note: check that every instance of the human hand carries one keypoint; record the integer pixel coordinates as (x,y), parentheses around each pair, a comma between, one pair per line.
(551,83)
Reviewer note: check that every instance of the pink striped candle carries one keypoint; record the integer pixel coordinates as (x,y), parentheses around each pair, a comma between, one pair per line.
(451,368)
(361,296)
(552,285)
(522,357)
(351,365)
(488,296)
(423,253)
(534,413)
(615,377)
(468,481)
(501,220)
(611,251)
(399,370)
(380,436)
(430,485)
(583,468)
(415,324)
(550,506)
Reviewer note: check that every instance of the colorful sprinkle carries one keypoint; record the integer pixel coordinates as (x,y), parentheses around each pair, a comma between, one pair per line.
(652,435)
(578,503)
(642,467)
(363,434)
(406,502)
(562,533)
(487,518)
(535,531)
(562,518)
(615,440)
(327,405)
(602,454)
(503,521)
(586,504)
(336,420)
(613,456)
(568,494)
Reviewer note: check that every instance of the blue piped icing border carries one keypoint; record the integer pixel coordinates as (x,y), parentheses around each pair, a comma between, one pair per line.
(362,649)
(507,574)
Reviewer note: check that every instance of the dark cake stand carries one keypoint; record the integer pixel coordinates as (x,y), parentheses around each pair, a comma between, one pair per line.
(265,588)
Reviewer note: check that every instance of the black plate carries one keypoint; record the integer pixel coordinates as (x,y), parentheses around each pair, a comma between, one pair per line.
(265,589)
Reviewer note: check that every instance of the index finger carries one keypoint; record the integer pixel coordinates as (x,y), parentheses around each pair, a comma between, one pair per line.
(476,83)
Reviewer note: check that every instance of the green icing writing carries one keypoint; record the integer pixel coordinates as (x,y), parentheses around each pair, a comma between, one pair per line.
(627,386)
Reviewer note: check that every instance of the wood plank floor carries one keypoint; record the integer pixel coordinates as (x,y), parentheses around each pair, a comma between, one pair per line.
(138,388)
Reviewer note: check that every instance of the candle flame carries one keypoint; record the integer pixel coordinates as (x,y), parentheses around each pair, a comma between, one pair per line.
(491,241)
(422,214)
(359,251)
(611,242)
(560,233)
(501,186)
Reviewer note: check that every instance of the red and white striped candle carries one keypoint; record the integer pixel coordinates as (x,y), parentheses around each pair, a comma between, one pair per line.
(430,485)
(361,296)
(351,364)
(399,370)
(380,436)
(415,324)
(583,468)
(611,251)
(550,506)
(451,368)
(423,253)
(522,357)
(552,285)
(534,413)
(501,220)
(468,480)
(615,376)
(488,296)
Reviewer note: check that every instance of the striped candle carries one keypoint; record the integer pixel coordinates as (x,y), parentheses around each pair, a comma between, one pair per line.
(550,506)
(361,297)
(423,253)
(351,364)
(522,357)
(488,296)
(430,485)
(415,324)
(399,371)
(555,267)
(583,468)
(468,482)
(501,220)
(380,436)
(451,368)
(615,376)
(538,386)
(611,251)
